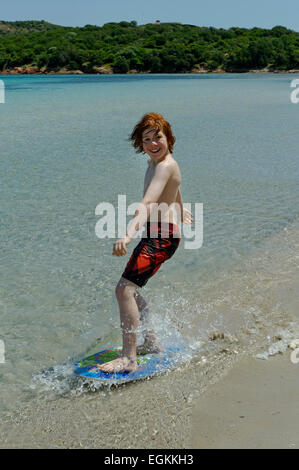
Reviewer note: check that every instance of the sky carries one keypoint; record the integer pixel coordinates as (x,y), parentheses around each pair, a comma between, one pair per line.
(217,13)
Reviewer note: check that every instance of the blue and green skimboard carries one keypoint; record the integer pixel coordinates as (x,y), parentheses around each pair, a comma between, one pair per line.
(148,365)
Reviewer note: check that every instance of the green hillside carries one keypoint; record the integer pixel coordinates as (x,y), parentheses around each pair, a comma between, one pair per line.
(157,48)
(18,27)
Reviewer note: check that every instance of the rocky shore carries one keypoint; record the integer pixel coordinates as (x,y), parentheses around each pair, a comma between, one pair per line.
(33,69)
(107,69)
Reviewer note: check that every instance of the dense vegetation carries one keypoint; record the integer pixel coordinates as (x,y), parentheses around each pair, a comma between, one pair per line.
(15,27)
(156,48)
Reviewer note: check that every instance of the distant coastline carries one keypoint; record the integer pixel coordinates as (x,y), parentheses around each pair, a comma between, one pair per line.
(38,47)
(33,70)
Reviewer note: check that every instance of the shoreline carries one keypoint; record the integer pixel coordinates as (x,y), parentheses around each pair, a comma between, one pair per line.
(32,70)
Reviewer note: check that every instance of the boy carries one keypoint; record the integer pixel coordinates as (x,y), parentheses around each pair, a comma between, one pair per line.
(153,136)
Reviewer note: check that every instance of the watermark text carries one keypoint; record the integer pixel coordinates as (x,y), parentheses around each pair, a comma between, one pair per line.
(2,352)
(113,221)
(295,353)
(2,92)
(295,93)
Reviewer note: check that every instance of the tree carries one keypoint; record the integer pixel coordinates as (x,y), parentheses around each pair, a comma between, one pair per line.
(120,64)
(279,31)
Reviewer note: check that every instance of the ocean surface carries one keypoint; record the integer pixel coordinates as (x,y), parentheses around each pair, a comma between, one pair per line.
(64,149)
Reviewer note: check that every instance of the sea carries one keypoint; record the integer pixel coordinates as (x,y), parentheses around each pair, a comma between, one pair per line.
(65,149)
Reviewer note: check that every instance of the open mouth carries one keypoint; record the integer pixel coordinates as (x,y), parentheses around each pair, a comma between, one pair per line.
(155,151)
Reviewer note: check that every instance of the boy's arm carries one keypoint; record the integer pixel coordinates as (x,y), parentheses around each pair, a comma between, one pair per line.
(179,201)
(152,194)
(184,214)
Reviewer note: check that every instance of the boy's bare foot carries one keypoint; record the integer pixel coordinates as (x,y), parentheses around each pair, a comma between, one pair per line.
(146,348)
(121,364)
(149,347)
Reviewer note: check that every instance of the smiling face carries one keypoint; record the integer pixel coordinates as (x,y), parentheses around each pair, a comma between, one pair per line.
(151,123)
(155,144)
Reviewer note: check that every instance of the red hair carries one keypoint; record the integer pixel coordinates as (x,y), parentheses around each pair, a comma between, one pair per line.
(151,121)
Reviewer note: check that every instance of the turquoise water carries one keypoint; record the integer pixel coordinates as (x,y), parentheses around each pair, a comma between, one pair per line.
(65,149)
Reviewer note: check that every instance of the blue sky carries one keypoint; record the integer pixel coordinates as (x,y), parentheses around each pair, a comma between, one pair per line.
(217,13)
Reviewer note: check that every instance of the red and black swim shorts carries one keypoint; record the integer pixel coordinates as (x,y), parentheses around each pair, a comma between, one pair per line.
(158,245)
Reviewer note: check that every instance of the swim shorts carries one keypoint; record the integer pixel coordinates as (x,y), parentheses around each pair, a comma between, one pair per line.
(158,245)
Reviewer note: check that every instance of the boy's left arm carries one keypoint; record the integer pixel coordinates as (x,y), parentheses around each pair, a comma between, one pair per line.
(185,215)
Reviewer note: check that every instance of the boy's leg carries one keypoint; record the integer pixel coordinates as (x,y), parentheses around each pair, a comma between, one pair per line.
(150,344)
(143,256)
(129,319)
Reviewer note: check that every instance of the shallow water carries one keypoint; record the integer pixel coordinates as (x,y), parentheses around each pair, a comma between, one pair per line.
(64,150)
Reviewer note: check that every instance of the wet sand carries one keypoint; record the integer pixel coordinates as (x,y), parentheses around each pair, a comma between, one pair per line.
(254,406)
(157,413)
(238,403)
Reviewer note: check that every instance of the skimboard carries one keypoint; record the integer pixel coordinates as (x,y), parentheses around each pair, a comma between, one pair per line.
(148,365)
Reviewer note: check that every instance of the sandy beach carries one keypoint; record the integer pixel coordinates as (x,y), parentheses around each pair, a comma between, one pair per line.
(254,406)
(251,405)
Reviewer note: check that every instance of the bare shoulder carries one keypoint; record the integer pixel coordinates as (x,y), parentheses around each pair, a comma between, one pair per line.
(169,170)
(169,165)
(174,169)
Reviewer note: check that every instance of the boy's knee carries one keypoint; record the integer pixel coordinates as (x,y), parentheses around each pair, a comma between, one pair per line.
(118,290)
(124,290)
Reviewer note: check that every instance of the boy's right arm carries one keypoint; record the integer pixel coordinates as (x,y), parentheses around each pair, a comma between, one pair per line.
(142,213)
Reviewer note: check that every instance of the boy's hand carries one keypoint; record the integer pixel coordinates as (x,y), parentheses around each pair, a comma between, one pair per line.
(186,217)
(119,247)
